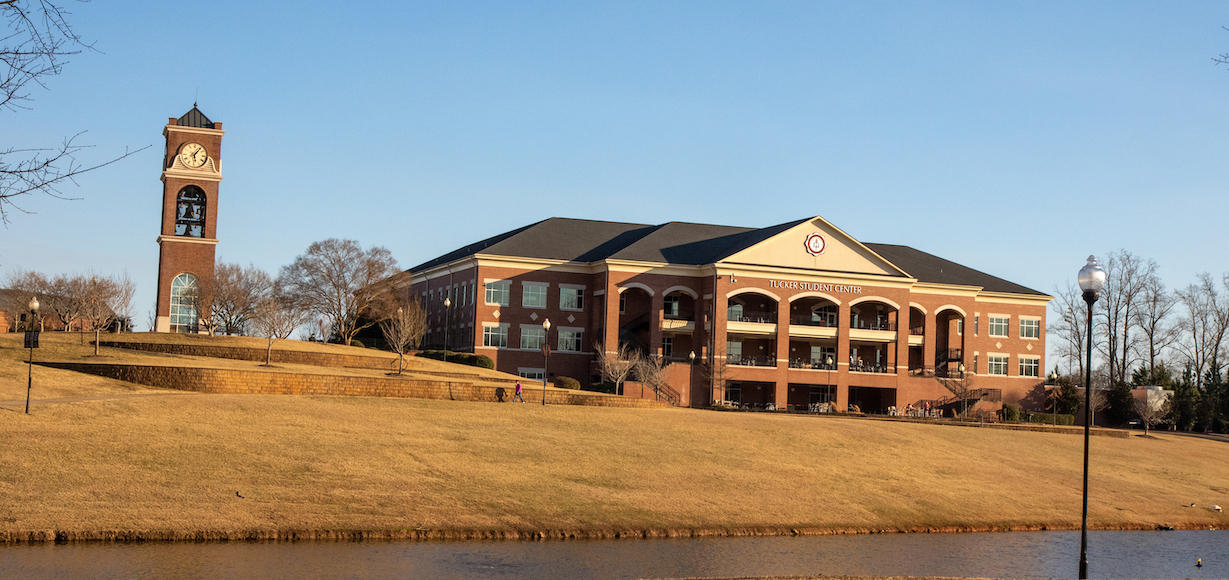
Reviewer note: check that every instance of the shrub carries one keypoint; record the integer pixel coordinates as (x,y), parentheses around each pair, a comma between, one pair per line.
(357,342)
(1048,419)
(566,383)
(479,360)
(607,387)
(1011,412)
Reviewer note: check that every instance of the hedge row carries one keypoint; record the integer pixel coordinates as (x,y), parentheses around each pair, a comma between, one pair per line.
(473,360)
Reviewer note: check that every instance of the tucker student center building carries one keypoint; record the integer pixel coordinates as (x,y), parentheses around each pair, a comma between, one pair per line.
(790,315)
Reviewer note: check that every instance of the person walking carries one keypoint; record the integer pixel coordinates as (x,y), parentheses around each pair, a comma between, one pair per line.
(518,396)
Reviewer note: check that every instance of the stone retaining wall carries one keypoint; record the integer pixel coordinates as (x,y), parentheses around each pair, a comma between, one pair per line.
(255,382)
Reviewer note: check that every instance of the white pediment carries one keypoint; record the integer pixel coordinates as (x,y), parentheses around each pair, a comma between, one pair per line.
(816,244)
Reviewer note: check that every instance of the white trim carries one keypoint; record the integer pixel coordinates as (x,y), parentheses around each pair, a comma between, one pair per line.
(737,291)
(940,310)
(630,285)
(190,240)
(688,291)
(921,308)
(858,301)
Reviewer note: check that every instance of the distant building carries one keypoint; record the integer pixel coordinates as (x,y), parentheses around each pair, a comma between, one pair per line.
(790,316)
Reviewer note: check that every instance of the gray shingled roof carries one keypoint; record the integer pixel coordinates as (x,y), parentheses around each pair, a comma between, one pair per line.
(690,244)
(930,268)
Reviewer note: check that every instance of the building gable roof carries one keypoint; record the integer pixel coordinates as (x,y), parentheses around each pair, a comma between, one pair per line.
(682,243)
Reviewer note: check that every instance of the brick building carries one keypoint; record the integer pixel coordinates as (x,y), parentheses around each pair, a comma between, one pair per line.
(789,316)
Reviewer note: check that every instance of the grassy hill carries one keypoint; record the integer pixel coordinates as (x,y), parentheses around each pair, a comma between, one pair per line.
(175,466)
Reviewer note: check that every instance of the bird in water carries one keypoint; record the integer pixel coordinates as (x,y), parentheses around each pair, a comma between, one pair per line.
(1199,562)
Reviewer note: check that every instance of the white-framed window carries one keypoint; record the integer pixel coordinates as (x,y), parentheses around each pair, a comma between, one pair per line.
(532,336)
(825,315)
(1000,326)
(496,336)
(996,364)
(1030,328)
(531,374)
(184,290)
(670,305)
(960,326)
(571,298)
(667,346)
(734,312)
(1030,366)
(570,339)
(622,303)
(497,292)
(975,363)
(533,295)
(976,323)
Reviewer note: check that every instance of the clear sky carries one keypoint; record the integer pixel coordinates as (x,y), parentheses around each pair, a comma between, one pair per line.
(1015,138)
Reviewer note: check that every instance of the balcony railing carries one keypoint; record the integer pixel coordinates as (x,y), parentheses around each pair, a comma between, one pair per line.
(800,363)
(762,317)
(752,361)
(859,367)
(917,330)
(875,325)
(806,320)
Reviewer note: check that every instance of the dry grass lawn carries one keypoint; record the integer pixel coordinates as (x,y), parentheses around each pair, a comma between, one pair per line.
(170,466)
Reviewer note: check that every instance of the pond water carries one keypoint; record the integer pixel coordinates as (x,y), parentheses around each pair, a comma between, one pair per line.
(991,555)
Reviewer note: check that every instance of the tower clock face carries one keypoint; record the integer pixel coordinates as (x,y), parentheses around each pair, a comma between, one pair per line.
(193,155)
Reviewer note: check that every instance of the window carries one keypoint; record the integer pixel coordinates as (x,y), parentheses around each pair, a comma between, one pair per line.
(183,303)
(735,312)
(497,292)
(190,212)
(571,298)
(960,326)
(734,352)
(974,363)
(820,355)
(825,315)
(999,326)
(997,365)
(533,295)
(1030,329)
(667,346)
(532,337)
(496,336)
(670,306)
(531,374)
(622,303)
(1030,367)
(569,339)
(976,324)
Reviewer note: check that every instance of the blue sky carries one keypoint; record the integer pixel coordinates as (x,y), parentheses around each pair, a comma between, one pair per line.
(1016,138)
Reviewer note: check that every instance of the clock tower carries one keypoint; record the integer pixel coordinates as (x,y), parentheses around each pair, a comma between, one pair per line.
(191,173)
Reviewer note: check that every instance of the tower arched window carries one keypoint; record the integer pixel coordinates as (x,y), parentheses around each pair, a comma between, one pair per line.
(184,298)
(190,212)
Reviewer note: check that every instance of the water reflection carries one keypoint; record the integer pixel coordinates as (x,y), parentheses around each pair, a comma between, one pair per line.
(1001,555)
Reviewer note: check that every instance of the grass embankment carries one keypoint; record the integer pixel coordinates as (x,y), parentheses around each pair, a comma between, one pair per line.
(170,467)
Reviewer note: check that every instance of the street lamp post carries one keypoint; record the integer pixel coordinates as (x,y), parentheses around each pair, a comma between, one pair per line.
(545,357)
(33,340)
(1054,395)
(1091,278)
(447,304)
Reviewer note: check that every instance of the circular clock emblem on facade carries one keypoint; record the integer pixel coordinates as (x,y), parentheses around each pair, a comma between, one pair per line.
(815,244)
(193,155)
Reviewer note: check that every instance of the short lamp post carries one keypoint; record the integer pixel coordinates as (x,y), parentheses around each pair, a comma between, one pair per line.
(30,370)
(1054,395)
(964,395)
(545,357)
(1091,278)
(447,304)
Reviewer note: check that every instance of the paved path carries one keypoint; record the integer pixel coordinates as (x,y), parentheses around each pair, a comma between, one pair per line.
(22,402)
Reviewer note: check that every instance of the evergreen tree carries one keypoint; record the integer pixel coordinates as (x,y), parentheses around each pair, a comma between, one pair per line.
(1121,404)
(1182,411)
(1210,412)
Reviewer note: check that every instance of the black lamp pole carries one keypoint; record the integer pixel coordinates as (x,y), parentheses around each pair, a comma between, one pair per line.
(545,357)
(1091,278)
(30,370)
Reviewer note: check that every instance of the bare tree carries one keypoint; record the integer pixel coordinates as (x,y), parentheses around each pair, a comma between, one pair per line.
(35,46)
(716,371)
(1204,326)
(1154,321)
(104,299)
(1127,277)
(1152,413)
(1070,327)
(961,386)
(24,285)
(616,366)
(276,317)
(651,372)
(236,293)
(1100,396)
(404,327)
(338,279)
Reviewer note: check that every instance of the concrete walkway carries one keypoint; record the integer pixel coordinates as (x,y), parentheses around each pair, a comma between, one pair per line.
(22,402)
